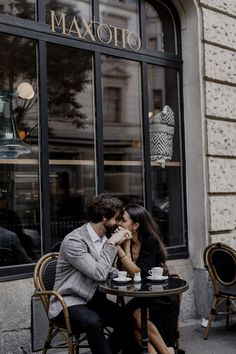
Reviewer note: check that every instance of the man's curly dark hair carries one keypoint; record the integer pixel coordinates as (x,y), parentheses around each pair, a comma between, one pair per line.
(103,206)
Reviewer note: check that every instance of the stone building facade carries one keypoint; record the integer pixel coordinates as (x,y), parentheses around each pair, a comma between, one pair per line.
(209,93)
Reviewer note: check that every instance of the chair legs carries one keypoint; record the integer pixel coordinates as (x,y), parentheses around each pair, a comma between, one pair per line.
(210,317)
(70,345)
(217,301)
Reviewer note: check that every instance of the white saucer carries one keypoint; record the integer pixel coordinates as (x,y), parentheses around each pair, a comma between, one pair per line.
(160,278)
(118,280)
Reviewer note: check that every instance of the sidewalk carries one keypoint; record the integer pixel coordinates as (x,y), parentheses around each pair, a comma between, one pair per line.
(220,340)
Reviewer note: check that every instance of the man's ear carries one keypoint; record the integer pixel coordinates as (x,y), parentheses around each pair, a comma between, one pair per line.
(104,220)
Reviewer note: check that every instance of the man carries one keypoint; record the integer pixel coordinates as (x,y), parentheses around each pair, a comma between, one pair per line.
(86,258)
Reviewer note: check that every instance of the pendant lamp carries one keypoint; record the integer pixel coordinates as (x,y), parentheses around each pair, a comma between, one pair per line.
(11,146)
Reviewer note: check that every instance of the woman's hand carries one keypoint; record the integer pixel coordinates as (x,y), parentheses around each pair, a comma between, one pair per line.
(120,236)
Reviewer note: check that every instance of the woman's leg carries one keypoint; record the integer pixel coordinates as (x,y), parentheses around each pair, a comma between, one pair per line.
(153,335)
(138,338)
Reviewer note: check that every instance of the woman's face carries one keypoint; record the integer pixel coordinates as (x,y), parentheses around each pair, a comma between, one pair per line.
(127,222)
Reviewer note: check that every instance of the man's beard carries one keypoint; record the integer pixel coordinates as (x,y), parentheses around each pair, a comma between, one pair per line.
(110,229)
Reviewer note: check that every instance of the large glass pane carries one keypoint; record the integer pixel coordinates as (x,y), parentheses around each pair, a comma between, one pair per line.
(19,175)
(122,127)
(123,23)
(160,29)
(70,13)
(166,164)
(71,136)
(19,8)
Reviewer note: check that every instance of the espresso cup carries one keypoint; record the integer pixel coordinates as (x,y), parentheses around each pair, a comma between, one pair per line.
(122,274)
(156,272)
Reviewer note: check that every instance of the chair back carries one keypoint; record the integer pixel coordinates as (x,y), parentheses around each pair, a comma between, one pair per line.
(44,275)
(220,261)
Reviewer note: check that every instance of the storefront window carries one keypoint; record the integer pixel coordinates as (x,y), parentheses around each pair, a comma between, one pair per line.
(160,29)
(19,172)
(124,21)
(165,150)
(19,8)
(71,136)
(108,118)
(72,13)
(122,129)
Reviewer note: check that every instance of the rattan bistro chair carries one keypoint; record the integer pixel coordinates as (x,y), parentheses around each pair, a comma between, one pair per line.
(220,261)
(44,277)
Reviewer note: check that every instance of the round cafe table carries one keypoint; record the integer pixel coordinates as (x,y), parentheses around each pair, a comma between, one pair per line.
(144,290)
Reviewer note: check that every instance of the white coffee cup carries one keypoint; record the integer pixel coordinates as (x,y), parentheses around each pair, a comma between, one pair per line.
(122,274)
(156,272)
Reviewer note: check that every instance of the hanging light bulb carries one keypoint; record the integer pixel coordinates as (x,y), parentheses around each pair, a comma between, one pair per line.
(11,146)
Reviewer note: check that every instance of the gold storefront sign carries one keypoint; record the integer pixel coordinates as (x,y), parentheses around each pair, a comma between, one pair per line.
(96,31)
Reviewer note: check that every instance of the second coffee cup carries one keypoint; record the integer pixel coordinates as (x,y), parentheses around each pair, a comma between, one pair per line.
(156,272)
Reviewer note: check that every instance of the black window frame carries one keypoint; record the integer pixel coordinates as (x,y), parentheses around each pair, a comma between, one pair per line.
(39,31)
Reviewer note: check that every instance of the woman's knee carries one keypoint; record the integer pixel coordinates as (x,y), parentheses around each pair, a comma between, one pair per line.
(137,317)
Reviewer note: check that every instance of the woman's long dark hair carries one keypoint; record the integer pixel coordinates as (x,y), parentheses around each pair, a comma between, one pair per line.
(147,227)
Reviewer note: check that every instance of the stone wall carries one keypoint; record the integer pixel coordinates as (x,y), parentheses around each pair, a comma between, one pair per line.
(15,316)
(219,41)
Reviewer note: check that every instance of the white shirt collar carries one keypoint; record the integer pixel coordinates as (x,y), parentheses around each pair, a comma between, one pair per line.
(97,240)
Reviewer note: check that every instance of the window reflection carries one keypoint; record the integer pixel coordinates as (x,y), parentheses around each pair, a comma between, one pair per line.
(71,136)
(125,16)
(19,177)
(165,151)
(19,8)
(81,9)
(122,129)
(160,31)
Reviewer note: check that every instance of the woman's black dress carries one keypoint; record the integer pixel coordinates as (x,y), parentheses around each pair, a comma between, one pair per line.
(164,310)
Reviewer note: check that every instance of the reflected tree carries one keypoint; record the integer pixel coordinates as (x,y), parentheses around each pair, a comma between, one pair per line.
(65,80)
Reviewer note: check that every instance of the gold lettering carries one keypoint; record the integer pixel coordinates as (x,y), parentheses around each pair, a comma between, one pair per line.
(93,28)
(62,19)
(74,23)
(138,40)
(115,36)
(123,38)
(87,27)
(99,36)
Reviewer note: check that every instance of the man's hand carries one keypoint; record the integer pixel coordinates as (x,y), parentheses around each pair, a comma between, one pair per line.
(120,236)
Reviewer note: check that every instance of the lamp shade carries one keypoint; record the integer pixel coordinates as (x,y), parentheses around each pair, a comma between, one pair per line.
(11,146)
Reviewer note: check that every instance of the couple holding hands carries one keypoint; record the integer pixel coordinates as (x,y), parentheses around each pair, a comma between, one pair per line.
(86,257)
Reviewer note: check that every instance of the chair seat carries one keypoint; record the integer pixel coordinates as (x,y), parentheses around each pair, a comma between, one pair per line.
(228,291)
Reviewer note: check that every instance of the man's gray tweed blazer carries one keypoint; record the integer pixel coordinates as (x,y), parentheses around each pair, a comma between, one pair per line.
(80,268)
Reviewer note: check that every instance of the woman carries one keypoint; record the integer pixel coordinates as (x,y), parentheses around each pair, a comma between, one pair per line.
(144,251)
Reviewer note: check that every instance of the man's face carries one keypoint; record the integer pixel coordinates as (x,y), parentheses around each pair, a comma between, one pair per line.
(110,225)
